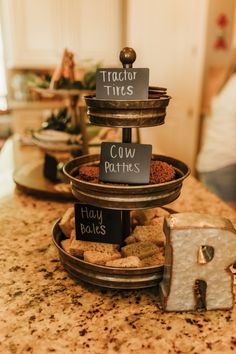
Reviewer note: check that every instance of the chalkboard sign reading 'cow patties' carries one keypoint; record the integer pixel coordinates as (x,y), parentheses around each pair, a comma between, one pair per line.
(97,224)
(122,84)
(125,163)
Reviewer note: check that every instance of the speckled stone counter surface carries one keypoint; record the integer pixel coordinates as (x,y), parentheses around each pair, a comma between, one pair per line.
(44,311)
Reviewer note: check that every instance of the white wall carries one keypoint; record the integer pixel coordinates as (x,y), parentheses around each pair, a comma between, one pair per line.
(169,38)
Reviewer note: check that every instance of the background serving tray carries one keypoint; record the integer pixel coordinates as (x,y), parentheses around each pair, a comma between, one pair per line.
(29,178)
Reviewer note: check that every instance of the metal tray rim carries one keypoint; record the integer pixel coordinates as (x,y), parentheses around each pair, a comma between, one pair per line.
(129,187)
(97,267)
(92,98)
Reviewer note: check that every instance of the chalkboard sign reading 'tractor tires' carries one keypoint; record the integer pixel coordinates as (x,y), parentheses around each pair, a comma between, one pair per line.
(98,224)
(125,163)
(122,84)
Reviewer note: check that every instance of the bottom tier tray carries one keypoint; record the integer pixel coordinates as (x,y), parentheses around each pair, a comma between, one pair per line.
(125,197)
(106,277)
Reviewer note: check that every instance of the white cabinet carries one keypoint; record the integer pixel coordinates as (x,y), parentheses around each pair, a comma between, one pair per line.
(36,32)
(92,29)
(31,32)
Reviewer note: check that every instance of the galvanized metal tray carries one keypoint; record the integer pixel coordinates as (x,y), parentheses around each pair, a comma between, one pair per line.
(122,197)
(127,114)
(106,277)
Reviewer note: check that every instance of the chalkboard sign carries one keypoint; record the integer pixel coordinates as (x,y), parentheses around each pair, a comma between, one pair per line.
(125,163)
(98,224)
(122,84)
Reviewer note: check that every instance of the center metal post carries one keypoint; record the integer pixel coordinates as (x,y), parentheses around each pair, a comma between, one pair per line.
(127,57)
(126,138)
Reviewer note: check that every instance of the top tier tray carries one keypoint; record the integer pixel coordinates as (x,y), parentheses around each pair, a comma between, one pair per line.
(128,114)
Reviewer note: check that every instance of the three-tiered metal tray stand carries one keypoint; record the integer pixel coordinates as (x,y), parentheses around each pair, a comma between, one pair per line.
(126,115)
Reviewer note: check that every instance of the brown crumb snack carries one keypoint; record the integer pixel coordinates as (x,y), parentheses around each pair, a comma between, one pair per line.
(72,235)
(156,222)
(96,180)
(100,257)
(150,233)
(144,217)
(65,244)
(161,172)
(65,223)
(89,172)
(139,249)
(127,262)
(130,239)
(78,247)
(156,259)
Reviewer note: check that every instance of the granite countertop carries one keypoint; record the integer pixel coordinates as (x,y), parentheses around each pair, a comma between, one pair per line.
(45,311)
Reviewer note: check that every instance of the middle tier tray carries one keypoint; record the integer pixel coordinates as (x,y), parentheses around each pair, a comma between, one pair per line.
(130,197)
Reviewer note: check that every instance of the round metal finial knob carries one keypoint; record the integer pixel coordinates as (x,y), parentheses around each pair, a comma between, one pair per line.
(127,57)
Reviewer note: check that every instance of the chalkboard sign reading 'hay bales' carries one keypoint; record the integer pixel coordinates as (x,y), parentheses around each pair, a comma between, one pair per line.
(97,224)
(122,84)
